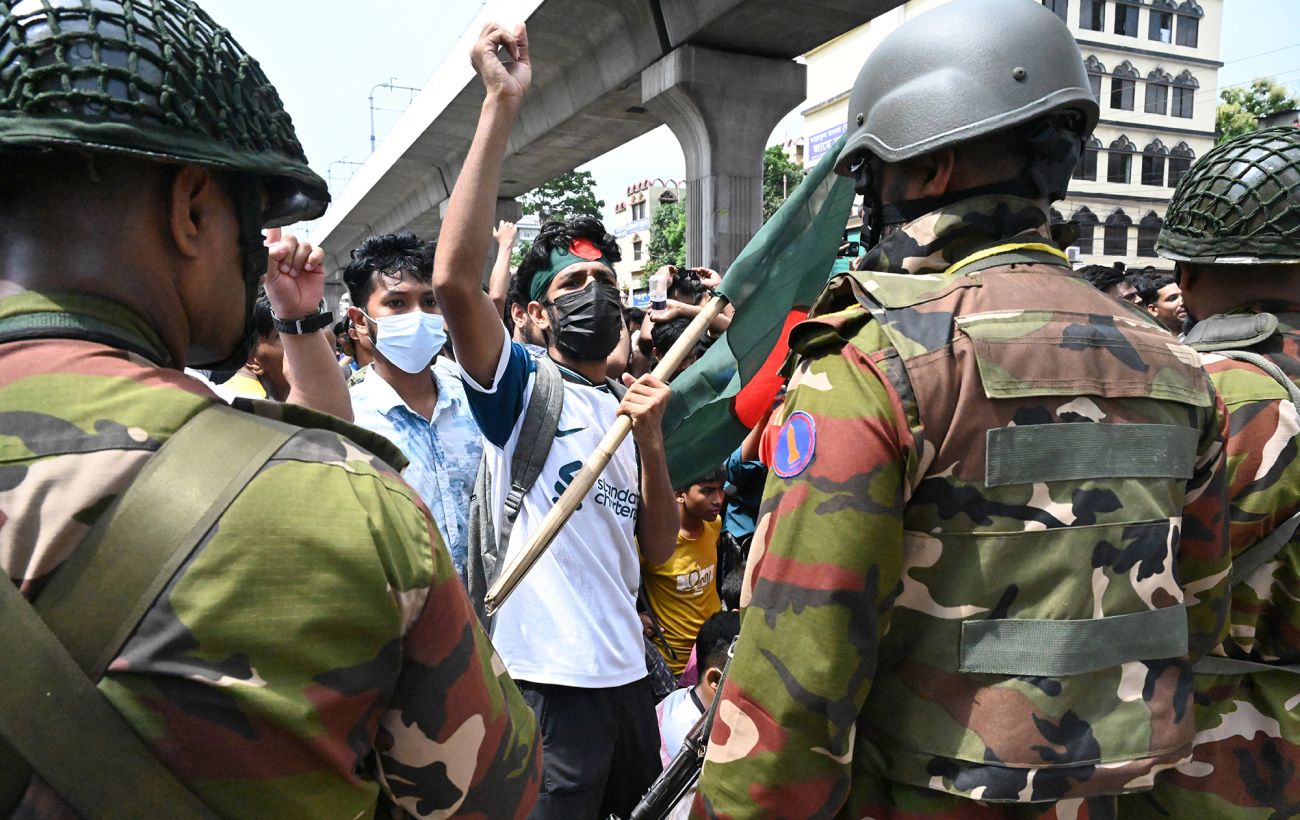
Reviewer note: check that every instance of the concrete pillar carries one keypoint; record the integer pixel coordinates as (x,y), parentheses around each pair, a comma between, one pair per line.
(722,107)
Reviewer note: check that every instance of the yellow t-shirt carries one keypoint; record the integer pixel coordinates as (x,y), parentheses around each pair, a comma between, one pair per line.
(683,591)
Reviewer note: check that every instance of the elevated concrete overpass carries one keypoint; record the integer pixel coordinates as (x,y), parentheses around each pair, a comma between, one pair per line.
(720,73)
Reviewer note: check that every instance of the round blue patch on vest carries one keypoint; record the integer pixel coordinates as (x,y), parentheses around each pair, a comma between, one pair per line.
(794,445)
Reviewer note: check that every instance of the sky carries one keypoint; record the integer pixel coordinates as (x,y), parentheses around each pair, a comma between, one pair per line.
(326,57)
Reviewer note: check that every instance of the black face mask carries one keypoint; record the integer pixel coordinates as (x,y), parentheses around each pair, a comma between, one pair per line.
(248,196)
(588,323)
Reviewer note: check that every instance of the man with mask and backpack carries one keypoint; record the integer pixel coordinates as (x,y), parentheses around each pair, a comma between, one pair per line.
(570,633)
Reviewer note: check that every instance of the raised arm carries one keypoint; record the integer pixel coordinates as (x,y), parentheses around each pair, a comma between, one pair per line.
(295,284)
(473,320)
(500,280)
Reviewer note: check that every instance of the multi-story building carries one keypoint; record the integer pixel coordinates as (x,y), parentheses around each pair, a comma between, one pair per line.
(631,226)
(1153,65)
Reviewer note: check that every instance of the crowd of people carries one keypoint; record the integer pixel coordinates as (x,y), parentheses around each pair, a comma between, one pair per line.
(1013,541)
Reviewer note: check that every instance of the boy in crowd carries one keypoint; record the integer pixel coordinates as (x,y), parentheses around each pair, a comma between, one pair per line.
(679,712)
(683,591)
(569,633)
(419,406)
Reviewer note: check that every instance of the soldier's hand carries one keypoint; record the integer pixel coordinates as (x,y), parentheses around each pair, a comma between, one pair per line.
(499,77)
(645,402)
(295,275)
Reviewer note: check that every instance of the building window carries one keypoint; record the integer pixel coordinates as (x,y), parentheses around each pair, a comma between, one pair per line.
(1148,232)
(1115,239)
(638,211)
(1123,86)
(1095,71)
(1087,222)
(1180,160)
(1087,167)
(1185,86)
(636,250)
(1157,101)
(1160,26)
(1092,15)
(1153,163)
(1061,7)
(1126,19)
(1120,162)
(1189,23)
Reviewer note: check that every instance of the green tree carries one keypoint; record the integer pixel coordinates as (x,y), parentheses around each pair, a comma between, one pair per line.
(568,195)
(1240,108)
(667,244)
(781,175)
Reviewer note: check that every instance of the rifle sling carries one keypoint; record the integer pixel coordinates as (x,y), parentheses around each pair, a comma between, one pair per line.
(53,715)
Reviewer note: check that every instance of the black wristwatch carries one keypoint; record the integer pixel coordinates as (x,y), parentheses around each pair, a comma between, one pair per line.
(308,324)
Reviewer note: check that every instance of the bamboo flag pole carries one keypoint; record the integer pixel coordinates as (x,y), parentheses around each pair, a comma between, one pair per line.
(521,562)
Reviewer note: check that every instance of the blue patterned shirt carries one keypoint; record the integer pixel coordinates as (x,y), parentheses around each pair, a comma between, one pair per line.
(444,453)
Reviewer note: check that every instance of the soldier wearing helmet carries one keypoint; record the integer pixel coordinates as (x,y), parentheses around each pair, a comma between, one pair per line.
(992,540)
(1233,232)
(214,611)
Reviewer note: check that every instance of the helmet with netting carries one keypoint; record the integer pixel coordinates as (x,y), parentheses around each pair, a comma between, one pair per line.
(155,79)
(1239,204)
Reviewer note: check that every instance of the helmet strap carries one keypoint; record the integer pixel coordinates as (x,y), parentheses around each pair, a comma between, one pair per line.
(246,191)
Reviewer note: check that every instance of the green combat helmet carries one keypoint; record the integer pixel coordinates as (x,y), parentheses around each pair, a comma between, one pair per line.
(155,79)
(965,70)
(1239,204)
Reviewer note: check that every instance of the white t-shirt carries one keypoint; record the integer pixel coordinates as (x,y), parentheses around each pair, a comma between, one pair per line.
(572,621)
(678,713)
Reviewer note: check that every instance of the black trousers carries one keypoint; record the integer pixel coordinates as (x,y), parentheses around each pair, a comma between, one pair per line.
(600,748)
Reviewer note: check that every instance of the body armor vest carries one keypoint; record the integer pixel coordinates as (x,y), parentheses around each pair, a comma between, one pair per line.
(1037,648)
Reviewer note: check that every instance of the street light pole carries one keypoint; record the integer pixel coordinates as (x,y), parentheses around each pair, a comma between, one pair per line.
(391,85)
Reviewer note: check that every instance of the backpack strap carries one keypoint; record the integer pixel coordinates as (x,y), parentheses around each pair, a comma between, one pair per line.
(541,420)
(53,715)
(488,539)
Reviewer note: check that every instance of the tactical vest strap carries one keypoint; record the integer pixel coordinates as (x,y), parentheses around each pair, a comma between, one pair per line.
(1214,665)
(1010,253)
(1264,550)
(1050,648)
(53,714)
(61,325)
(1033,453)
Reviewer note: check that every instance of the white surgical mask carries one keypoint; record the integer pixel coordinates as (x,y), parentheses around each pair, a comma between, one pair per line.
(410,340)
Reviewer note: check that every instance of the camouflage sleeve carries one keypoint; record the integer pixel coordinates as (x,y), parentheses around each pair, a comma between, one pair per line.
(458,738)
(827,561)
(1204,560)
(1263,476)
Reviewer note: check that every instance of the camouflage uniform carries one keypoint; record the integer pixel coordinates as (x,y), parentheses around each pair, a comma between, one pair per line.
(306,661)
(1247,747)
(900,542)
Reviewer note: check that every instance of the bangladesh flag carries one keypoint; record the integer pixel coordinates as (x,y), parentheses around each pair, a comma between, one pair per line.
(772,284)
